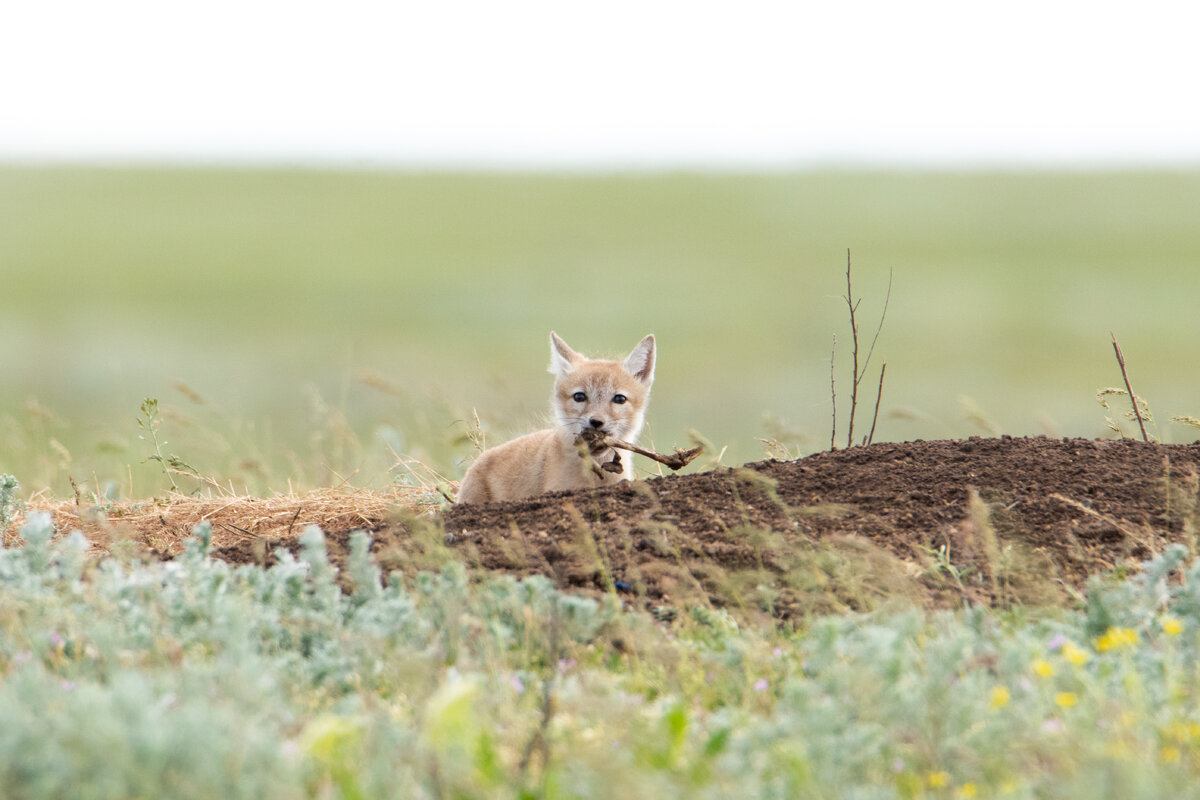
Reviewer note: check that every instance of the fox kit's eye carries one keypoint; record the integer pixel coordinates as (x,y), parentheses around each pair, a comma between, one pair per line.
(579,397)
(619,398)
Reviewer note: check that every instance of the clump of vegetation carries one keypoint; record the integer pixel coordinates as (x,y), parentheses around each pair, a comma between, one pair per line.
(10,501)
(149,421)
(196,678)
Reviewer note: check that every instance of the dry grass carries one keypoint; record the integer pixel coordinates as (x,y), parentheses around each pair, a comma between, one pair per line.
(163,525)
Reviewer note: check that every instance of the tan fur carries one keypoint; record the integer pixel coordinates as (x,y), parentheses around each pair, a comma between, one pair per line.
(550,460)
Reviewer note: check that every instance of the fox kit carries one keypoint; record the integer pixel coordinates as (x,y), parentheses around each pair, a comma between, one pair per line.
(589,395)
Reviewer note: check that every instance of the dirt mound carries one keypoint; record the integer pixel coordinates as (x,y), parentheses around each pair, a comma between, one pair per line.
(994,521)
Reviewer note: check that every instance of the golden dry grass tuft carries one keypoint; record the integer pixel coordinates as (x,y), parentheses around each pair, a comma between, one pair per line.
(162,525)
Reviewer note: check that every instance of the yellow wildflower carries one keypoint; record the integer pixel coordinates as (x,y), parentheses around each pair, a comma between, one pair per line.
(937,780)
(1066,699)
(1043,668)
(968,790)
(1116,638)
(1169,754)
(1075,654)
(1000,697)
(1172,626)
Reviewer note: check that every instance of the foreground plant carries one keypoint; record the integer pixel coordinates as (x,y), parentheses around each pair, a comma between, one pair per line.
(10,501)
(198,679)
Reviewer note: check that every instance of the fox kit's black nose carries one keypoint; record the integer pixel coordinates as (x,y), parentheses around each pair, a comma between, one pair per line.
(596,423)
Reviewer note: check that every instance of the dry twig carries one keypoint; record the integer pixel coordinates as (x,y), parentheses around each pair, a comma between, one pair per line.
(878,397)
(1132,397)
(857,374)
(833,393)
(852,304)
(597,439)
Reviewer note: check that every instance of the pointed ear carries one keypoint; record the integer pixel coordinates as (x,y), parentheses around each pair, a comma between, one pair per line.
(562,357)
(640,363)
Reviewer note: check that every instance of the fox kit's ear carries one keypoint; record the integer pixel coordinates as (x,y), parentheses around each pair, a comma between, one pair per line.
(562,357)
(640,363)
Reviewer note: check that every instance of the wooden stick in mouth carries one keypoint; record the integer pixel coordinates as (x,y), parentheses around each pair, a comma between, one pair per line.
(598,440)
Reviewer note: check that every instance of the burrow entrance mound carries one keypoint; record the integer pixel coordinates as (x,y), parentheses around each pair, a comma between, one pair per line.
(994,521)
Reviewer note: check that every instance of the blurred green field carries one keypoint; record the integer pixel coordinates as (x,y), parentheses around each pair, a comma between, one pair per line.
(300,327)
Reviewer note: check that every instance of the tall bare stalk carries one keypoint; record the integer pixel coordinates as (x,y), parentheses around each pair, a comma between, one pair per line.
(1129,387)
(833,393)
(857,374)
(878,397)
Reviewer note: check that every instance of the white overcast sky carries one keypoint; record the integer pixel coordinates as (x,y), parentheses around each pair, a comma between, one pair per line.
(550,83)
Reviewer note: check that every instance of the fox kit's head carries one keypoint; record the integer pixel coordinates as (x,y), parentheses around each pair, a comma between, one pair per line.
(607,395)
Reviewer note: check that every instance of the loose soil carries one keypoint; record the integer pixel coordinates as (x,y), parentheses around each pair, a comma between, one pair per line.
(994,521)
